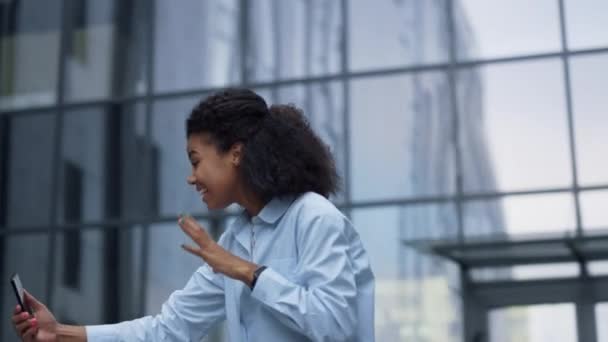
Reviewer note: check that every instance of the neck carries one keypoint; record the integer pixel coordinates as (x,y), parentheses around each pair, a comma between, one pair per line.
(252,203)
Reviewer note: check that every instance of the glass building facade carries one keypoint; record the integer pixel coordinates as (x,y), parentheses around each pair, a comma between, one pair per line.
(448,119)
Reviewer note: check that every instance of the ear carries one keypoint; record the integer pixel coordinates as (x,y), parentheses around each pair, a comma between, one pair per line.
(236,153)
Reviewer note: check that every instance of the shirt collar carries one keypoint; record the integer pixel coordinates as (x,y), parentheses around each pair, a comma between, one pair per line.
(271,212)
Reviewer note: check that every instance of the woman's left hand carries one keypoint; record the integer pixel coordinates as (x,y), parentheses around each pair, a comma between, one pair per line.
(219,259)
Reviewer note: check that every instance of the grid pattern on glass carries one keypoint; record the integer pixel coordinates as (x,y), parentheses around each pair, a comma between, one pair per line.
(409,285)
(385,34)
(197,44)
(590,105)
(507,28)
(293,39)
(520,215)
(400,128)
(523,127)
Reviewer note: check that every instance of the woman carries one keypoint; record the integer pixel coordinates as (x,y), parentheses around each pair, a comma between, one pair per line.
(290,268)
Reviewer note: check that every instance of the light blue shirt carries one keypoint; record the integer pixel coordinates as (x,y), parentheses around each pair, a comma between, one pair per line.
(318,285)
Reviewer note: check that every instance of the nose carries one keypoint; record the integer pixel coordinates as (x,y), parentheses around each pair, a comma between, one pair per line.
(191,180)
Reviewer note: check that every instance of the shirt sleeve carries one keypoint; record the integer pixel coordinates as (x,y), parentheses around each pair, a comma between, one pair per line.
(322,305)
(187,315)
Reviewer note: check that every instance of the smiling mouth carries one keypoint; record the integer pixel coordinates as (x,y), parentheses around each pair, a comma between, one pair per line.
(202,191)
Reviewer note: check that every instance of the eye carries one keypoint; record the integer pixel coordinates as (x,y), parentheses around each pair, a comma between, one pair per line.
(194,163)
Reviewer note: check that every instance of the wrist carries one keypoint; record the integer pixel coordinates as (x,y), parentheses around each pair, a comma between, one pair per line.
(246,273)
(70,333)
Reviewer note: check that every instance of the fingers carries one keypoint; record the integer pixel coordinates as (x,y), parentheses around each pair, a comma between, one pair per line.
(29,334)
(193,230)
(23,326)
(20,317)
(31,301)
(17,309)
(192,250)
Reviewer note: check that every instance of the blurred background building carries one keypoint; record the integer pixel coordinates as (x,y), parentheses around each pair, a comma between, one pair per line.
(471,137)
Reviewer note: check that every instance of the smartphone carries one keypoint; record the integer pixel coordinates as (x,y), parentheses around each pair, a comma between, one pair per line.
(18,288)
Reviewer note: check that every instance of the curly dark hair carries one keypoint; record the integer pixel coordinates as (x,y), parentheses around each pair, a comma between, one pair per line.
(282,155)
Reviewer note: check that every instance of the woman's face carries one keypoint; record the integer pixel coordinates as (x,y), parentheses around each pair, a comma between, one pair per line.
(214,174)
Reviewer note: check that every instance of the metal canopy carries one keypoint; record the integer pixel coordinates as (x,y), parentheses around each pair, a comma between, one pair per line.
(505,250)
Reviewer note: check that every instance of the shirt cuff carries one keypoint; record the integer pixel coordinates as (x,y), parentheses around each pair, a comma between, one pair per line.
(268,286)
(101,333)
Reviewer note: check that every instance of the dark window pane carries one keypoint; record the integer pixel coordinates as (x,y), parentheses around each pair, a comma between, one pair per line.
(401,129)
(30,169)
(109,282)
(293,39)
(107,145)
(197,44)
(504,28)
(27,76)
(27,255)
(385,34)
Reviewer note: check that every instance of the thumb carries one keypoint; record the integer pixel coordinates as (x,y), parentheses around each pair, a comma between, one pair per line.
(33,303)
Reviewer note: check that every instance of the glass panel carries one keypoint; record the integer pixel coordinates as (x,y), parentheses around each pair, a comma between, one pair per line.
(513,127)
(601,317)
(401,128)
(29,178)
(323,105)
(294,39)
(106,50)
(26,255)
(586,23)
(88,271)
(198,44)
(593,209)
(411,288)
(598,268)
(589,74)
(170,267)
(527,272)
(169,143)
(505,28)
(29,52)
(384,34)
(520,215)
(530,323)
(102,148)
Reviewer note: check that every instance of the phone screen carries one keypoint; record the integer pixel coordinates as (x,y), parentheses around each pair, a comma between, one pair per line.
(18,288)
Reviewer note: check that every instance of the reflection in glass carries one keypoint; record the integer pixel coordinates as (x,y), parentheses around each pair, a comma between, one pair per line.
(586,23)
(385,34)
(26,255)
(520,215)
(411,288)
(106,49)
(401,143)
(293,39)
(29,172)
(197,44)
(507,28)
(522,127)
(90,285)
(589,75)
(529,323)
(29,52)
